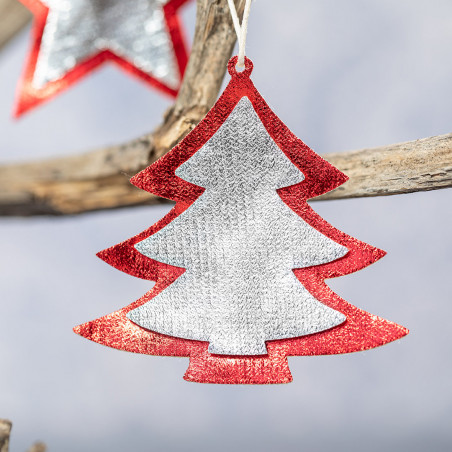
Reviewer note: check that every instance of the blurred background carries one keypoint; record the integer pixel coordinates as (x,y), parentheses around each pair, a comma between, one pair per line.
(342,75)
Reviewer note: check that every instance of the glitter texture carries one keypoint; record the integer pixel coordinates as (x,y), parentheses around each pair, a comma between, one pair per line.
(72,37)
(239,244)
(360,331)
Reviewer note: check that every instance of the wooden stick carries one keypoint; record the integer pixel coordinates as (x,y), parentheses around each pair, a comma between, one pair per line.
(38,447)
(13,18)
(100,180)
(419,165)
(5,431)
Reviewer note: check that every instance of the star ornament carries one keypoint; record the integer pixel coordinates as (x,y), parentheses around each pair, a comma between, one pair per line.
(70,38)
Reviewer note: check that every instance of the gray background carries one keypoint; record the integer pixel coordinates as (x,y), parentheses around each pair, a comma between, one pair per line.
(342,75)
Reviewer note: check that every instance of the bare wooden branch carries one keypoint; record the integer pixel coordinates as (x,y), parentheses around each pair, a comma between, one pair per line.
(5,431)
(419,165)
(13,18)
(100,179)
(38,447)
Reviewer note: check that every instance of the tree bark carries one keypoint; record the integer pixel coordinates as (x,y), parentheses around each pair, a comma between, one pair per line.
(38,447)
(100,180)
(13,18)
(5,431)
(419,165)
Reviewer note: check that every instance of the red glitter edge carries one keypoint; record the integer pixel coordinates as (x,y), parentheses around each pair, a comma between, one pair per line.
(359,332)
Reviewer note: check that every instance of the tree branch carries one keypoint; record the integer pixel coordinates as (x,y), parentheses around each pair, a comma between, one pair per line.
(13,18)
(38,447)
(5,431)
(100,179)
(419,165)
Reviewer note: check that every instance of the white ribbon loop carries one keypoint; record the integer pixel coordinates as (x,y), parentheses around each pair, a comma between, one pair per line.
(240,30)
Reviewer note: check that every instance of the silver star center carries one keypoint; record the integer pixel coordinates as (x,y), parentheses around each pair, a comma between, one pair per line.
(134,30)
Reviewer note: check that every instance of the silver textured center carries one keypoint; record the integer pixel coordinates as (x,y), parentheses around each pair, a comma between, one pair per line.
(134,30)
(239,243)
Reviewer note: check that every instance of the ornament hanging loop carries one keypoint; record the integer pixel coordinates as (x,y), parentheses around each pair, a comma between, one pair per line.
(241,30)
(232,67)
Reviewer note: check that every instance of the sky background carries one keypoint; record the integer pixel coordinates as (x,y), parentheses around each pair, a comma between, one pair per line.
(342,75)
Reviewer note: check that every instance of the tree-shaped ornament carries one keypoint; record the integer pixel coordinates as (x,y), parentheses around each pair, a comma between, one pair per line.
(240,262)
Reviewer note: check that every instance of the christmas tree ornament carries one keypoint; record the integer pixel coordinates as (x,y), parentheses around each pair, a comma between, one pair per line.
(72,37)
(241,260)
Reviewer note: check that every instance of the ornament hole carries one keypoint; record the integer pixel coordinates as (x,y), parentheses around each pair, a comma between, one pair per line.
(233,69)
